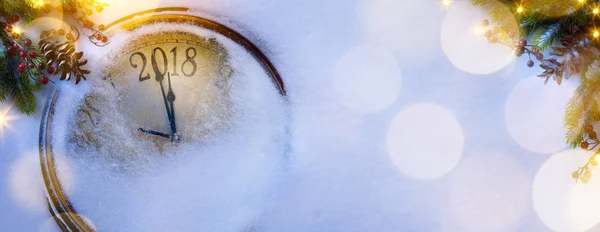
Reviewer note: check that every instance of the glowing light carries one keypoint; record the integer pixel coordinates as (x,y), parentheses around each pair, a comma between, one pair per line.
(17,30)
(520,9)
(478,30)
(409,137)
(581,1)
(446,3)
(40,3)
(5,119)
(596,34)
(596,11)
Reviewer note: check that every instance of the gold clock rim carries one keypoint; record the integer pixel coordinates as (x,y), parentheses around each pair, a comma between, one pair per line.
(65,216)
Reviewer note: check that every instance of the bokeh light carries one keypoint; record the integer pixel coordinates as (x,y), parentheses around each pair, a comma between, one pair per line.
(120,8)
(391,24)
(534,114)
(367,79)
(559,202)
(425,141)
(488,192)
(468,51)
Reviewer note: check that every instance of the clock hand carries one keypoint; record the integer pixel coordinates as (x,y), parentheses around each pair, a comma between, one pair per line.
(171,99)
(155,133)
(159,78)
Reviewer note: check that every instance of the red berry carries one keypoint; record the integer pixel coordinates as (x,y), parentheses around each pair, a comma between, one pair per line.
(530,63)
(14,18)
(488,34)
(585,145)
(485,23)
(10,49)
(101,27)
(44,80)
(522,42)
(70,36)
(23,54)
(104,39)
(61,31)
(51,70)
(21,68)
(539,56)
(535,50)
(42,65)
(33,55)
(27,42)
(88,24)
(31,65)
(99,37)
(493,40)
(15,45)
(8,28)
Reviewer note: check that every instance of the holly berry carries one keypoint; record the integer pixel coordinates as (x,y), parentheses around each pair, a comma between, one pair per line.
(88,24)
(485,23)
(99,37)
(33,55)
(522,42)
(51,70)
(592,135)
(104,39)
(488,34)
(539,56)
(15,45)
(535,49)
(21,68)
(99,8)
(530,63)
(8,28)
(61,32)
(23,54)
(31,65)
(588,128)
(70,36)
(493,40)
(42,65)
(27,42)
(11,50)
(14,19)
(584,145)
(44,80)
(101,27)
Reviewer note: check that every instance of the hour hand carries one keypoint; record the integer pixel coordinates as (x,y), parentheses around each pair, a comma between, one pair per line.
(154,133)
(171,99)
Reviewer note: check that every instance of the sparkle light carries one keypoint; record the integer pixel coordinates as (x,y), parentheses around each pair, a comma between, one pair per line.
(5,120)
(446,3)
(520,9)
(596,34)
(17,30)
(40,3)
(581,1)
(596,11)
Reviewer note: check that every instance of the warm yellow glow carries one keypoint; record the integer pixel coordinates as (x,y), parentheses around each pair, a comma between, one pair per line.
(596,11)
(520,9)
(596,34)
(581,1)
(597,158)
(5,119)
(17,30)
(478,30)
(446,3)
(40,3)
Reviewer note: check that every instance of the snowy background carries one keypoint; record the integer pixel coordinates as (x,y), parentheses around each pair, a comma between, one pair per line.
(401,120)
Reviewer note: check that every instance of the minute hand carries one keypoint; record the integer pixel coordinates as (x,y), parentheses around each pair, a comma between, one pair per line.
(162,89)
(171,99)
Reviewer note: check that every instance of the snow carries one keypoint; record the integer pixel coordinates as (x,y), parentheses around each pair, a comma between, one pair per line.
(329,168)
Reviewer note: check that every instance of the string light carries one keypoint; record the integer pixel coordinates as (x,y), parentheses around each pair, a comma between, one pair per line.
(17,30)
(520,9)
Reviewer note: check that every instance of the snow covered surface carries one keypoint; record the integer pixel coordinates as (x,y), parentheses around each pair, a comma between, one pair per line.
(391,129)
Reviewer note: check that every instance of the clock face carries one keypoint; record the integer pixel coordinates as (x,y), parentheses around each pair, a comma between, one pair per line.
(163,92)
(181,120)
